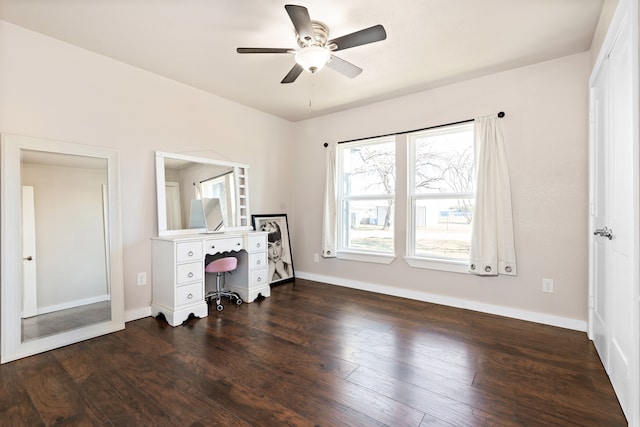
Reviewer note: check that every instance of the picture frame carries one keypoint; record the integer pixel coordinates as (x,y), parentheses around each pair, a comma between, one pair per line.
(278,246)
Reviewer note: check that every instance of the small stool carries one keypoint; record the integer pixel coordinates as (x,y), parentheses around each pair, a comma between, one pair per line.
(219,267)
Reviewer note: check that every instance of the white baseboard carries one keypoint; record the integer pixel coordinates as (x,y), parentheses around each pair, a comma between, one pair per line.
(136,314)
(530,316)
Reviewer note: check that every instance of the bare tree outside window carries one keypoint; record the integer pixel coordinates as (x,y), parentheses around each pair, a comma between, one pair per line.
(446,165)
(378,169)
(368,188)
(443,191)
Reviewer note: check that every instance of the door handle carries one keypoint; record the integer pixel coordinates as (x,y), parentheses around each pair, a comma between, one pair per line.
(29,258)
(604,232)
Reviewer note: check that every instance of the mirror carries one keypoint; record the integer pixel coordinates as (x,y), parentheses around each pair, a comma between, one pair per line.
(61,275)
(200,195)
(206,213)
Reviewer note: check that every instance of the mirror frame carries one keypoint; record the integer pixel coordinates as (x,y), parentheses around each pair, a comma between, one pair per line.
(241,179)
(12,346)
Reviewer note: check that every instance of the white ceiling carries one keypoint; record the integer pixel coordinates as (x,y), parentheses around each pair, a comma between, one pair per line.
(429,43)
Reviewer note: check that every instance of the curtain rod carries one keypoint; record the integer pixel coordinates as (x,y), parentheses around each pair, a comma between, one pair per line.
(500,115)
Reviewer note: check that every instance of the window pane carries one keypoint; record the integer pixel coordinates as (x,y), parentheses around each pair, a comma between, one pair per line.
(368,225)
(443,228)
(214,187)
(369,169)
(217,188)
(445,160)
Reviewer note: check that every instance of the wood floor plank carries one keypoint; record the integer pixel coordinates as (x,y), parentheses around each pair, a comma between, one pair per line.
(57,398)
(314,354)
(461,410)
(318,375)
(113,393)
(16,407)
(207,379)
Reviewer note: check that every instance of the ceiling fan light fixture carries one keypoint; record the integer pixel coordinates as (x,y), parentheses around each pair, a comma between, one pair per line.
(312,58)
(315,49)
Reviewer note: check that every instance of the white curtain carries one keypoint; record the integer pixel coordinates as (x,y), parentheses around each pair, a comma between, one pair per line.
(329,219)
(492,244)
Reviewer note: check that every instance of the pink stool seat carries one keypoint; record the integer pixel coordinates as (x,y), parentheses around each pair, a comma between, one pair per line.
(219,267)
(222,265)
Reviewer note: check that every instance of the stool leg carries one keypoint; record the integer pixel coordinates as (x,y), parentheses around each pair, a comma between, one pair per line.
(231,295)
(219,306)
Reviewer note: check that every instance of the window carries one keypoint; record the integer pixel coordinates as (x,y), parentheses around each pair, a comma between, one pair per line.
(441,186)
(366,195)
(438,203)
(220,187)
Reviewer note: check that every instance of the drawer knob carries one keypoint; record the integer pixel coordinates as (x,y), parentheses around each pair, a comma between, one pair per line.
(190,274)
(258,245)
(190,296)
(190,253)
(259,279)
(237,243)
(258,262)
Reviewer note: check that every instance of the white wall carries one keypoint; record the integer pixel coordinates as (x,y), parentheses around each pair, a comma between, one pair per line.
(53,90)
(546,129)
(606,15)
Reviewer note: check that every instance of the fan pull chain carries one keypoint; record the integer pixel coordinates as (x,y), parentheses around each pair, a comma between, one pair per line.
(311,89)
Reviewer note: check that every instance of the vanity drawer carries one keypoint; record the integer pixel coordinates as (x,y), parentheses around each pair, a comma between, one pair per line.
(188,251)
(257,242)
(189,294)
(215,246)
(189,272)
(258,277)
(258,260)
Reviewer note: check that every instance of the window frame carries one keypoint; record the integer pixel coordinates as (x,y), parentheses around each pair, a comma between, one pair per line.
(411,257)
(343,252)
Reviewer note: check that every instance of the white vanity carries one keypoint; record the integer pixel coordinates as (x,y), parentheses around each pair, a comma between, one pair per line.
(181,253)
(179,282)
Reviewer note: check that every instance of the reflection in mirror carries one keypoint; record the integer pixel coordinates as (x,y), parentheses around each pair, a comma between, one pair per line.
(198,195)
(206,213)
(61,275)
(64,235)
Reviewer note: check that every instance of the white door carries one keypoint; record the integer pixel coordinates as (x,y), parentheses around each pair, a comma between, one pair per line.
(620,207)
(29,294)
(614,305)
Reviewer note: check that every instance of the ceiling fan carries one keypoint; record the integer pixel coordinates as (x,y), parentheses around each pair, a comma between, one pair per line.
(315,50)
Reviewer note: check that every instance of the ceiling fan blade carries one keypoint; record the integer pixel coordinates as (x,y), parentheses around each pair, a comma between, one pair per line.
(343,67)
(264,50)
(301,21)
(293,74)
(366,36)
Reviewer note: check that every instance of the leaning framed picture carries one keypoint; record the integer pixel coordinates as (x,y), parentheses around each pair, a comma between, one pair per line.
(278,247)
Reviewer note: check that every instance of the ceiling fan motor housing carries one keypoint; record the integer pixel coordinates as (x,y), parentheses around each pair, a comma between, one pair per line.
(321,32)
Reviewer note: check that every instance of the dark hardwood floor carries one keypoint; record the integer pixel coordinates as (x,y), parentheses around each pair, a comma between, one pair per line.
(318,355)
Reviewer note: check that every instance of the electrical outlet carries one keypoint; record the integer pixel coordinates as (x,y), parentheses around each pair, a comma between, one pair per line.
(547,285)
(316,258)
(142,278)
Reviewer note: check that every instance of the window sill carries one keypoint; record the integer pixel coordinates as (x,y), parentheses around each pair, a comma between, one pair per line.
(366,257)
(442,265)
